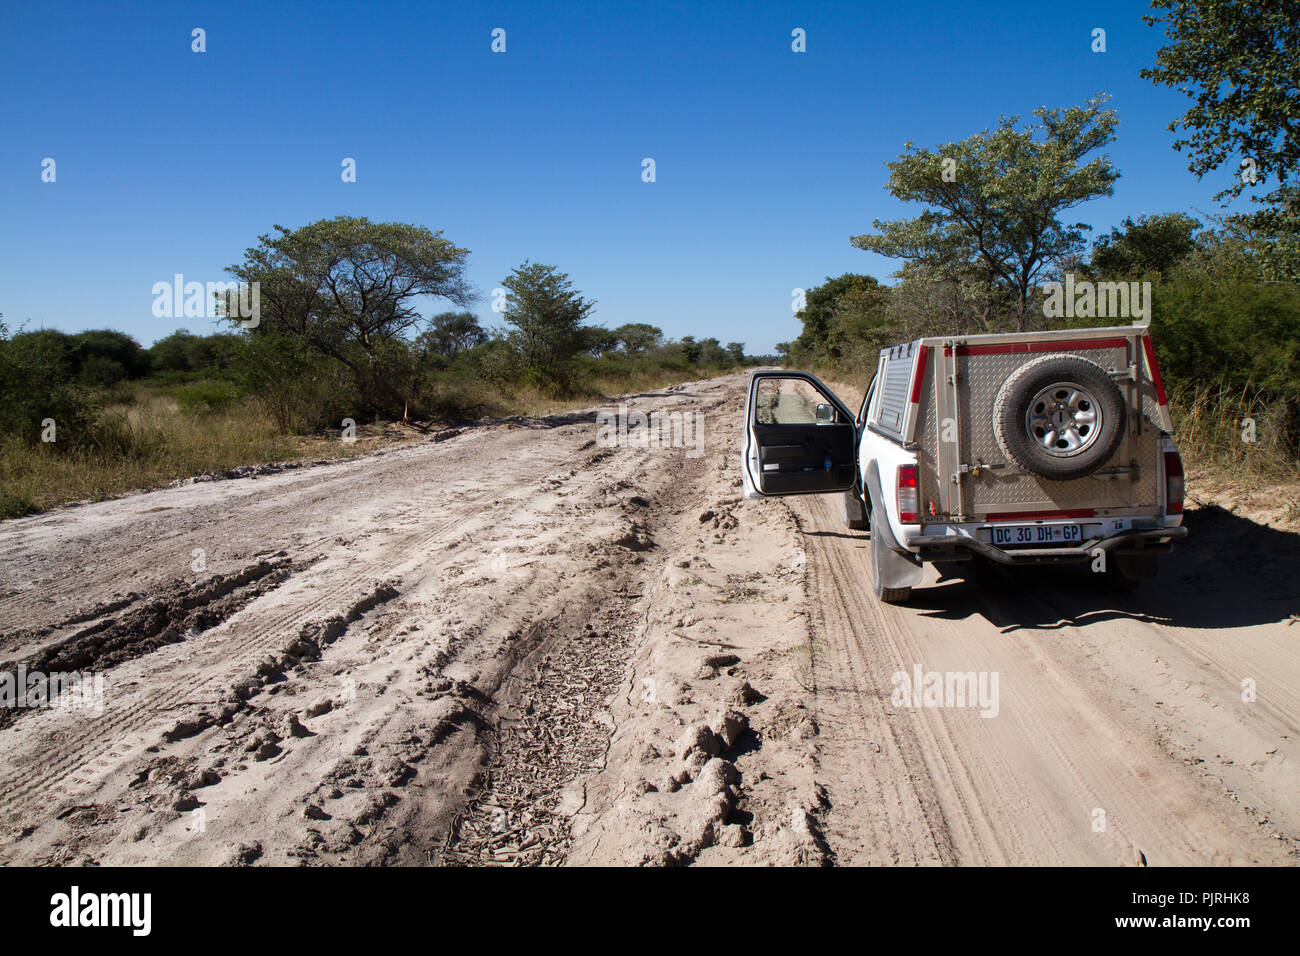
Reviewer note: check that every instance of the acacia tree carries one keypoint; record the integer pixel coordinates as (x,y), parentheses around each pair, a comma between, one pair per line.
(348,287)
(639,337)
(822,336)
(547,315)
(451,333)
(1239,60)
(996,197)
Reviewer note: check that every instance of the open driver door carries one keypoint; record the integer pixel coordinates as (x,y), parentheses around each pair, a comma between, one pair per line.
(800,439)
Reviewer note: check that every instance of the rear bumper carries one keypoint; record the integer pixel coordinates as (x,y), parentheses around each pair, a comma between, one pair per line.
(953,547)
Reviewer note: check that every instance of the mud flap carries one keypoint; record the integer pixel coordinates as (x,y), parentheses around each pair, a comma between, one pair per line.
(855,515)
(897,568)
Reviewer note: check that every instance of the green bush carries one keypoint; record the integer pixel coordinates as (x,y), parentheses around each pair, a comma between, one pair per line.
(300,390)
(100,371)
(199,398)
(15,505)
(36,387)
(115,436)
(120,393)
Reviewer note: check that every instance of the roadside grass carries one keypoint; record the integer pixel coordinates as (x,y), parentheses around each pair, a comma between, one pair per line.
(151,434)
(152,441)
(803,662)
(603,387)
(1228,431)
(458,398)
(1237,453)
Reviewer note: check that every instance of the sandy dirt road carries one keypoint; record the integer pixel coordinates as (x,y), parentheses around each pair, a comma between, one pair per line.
(514,645)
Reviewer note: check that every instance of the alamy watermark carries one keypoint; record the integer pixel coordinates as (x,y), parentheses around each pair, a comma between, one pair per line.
(74,908)
(212,300)
(22,689)
(946,689)
(654,430)
(1086,299)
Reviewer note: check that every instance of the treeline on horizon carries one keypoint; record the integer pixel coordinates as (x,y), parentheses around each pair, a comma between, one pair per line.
(339,343)
(339,336)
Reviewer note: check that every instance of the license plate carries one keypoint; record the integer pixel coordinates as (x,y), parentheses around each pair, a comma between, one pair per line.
(1035,534)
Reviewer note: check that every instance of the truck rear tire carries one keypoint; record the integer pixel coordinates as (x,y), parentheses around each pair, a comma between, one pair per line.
(1059,417)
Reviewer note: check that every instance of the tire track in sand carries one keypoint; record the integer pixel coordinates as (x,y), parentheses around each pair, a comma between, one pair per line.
(1021,787)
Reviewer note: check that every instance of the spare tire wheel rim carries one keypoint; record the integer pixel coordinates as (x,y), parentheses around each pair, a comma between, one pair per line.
(1064,419)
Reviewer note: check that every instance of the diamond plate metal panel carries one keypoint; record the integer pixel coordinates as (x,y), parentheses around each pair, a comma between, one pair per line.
(1150,405)
(894,397)
(927,435)
(981,376)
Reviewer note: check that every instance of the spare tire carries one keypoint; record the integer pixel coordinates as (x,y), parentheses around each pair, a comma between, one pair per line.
(1059,417)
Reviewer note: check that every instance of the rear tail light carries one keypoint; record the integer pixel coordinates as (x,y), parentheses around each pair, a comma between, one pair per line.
(1173,483)
(909,500)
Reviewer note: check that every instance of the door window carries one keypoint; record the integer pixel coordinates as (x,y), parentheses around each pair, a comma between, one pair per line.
(792,401)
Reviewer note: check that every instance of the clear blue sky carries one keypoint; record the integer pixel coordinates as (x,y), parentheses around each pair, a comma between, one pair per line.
(767,160)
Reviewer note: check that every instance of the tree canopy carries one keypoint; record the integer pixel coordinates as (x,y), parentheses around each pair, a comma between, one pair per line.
(349,281)
(833,311)
(638,337)
(546,314)
(1151,244)
(995,198)
(450,334)
(1239,62)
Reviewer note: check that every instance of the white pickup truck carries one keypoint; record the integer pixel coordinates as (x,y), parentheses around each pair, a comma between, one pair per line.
(1019,448)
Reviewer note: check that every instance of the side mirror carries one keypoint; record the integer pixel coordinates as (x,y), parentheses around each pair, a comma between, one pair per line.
(825,414)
